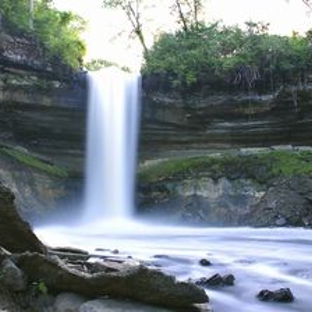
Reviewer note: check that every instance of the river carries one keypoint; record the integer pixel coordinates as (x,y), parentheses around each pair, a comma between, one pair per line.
(258,258)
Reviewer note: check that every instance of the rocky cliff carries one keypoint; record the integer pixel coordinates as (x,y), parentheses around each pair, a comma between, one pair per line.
(42,126)
(259,188)
(42,137)
(172,125)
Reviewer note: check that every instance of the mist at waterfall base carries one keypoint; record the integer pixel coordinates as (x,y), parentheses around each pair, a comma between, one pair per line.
(258,258)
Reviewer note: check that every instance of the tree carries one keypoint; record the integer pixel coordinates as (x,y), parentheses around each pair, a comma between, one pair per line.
(132,8)
(213,56)
(59,32)
(97,64)
(188,12)
(308,3)
(31,14)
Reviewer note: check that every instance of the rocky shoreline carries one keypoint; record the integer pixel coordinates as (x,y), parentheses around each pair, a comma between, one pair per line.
(25,264)
(39,278)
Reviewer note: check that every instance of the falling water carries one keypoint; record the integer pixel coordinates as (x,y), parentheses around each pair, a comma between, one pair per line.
(112,131)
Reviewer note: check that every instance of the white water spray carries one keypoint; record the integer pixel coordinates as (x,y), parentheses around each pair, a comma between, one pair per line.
(112,135)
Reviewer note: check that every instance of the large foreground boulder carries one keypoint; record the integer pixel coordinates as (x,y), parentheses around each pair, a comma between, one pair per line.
(135,282)
(15,234)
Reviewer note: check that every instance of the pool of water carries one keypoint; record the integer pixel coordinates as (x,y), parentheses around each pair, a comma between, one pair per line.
(258,258)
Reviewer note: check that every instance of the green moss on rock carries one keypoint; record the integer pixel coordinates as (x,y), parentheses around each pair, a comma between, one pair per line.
(259,167)
(33,162)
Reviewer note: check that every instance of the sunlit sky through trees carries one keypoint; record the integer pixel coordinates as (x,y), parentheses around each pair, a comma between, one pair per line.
(107,34)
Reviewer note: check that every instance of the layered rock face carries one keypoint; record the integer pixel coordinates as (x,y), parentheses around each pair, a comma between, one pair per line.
(42,119)
(173,126)
(42,133)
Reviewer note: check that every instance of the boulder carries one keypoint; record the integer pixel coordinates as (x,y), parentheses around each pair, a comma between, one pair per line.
(204,262)
(109,305)
(68,302)
(15,234)
(135,282)
(280,295)
(216,280)
(12,277)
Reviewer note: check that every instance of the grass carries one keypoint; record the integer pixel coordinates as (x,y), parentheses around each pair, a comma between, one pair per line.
(260,167)
(33,162)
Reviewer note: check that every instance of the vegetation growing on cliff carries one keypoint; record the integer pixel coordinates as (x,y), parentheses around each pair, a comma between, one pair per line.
(213,56)
(33,162)
(259,167)
(58,31)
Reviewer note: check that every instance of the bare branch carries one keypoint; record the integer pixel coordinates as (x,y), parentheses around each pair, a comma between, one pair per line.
(308,3)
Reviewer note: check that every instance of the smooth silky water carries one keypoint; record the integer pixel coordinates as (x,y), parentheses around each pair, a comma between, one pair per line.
(259,258)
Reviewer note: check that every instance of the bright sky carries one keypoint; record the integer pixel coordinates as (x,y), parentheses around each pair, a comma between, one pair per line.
(106,36)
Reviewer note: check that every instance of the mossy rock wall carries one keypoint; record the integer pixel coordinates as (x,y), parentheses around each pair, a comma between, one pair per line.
(263,189)
(42,128)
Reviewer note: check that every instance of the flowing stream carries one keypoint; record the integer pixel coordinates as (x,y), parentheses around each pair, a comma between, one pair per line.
(258,258)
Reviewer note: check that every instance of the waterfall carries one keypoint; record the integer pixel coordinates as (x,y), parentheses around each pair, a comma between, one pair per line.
(112,135)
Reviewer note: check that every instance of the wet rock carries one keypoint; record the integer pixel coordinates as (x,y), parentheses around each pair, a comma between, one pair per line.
(12,277)
(101,249)
(16,235)
(216,280)
(45,303)
(109,305)
(228,279)
(70,254)
(280,295)
(161,256)
(287,202)
(281,221)
(204,262)
(115,252)
(133,282)
(68,302)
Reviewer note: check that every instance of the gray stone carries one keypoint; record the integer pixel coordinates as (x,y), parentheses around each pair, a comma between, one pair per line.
(228,279)
(44,303)
(282,147)
(135,282)
(109,305)
(280,295)
(68,302)
(16,235)
(12,277)
(280,221)
(216,280)
(204,262)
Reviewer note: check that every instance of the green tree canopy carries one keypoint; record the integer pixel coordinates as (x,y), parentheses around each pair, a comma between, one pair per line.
(58,31)
(216,56)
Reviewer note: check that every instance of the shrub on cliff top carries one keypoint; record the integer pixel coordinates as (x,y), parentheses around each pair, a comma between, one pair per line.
(58,31)
(214,56)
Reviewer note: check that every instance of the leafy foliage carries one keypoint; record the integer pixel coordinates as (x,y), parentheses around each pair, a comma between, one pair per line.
(58,31)
(97,64)
(214,56)
(188,12)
